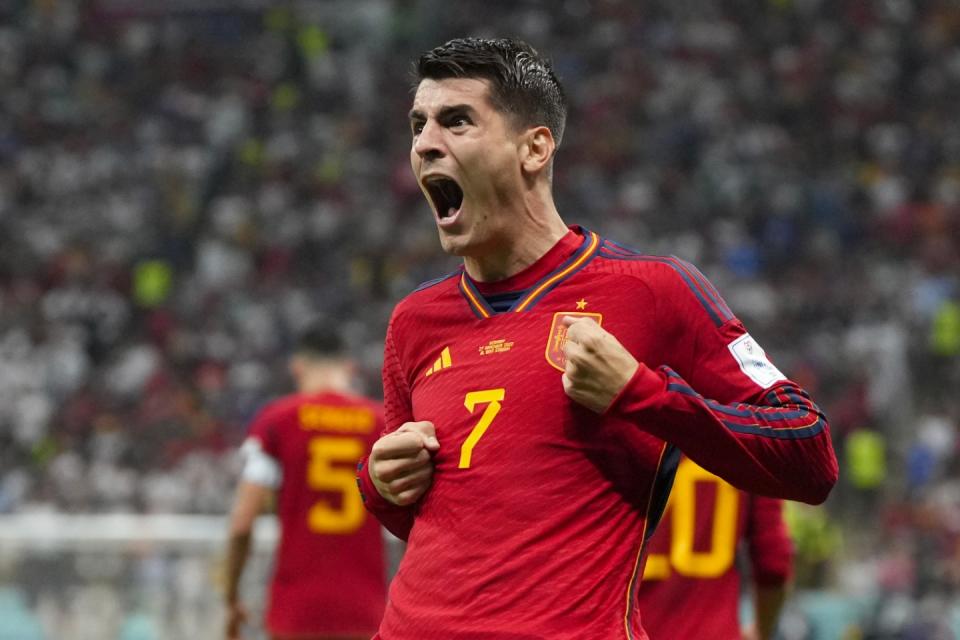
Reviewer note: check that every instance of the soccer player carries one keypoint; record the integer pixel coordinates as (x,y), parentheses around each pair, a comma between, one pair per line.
(692,561)
(329,573)
(536,400)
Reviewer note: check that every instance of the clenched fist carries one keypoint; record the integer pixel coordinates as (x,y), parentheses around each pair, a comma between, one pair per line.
(598,366)
(401,462)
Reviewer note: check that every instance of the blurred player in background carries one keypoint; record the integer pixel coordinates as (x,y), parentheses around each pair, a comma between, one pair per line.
(537,399)
(329,574)
(693,566)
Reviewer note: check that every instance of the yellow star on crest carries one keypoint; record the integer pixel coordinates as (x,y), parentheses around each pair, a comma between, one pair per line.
(581,304)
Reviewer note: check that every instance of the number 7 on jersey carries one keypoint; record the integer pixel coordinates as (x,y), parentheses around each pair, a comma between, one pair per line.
(490,397)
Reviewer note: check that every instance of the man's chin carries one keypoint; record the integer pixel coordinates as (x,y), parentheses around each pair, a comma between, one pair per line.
(454,243)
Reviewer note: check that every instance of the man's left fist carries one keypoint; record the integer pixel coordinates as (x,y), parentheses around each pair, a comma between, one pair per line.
(598,366)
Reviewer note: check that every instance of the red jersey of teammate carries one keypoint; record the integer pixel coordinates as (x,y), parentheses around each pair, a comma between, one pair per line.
(691,559)
(329,570)
(537,515)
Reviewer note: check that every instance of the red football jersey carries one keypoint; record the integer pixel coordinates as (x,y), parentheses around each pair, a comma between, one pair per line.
(691,564)
(329,571)
(536,519)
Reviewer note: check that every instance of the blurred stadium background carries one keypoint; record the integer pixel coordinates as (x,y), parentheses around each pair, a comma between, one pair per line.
(184,183)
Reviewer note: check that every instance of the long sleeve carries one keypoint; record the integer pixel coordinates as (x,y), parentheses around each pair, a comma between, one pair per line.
(711,390)
(778,446)
(769,544)
(396,405)
(397,520)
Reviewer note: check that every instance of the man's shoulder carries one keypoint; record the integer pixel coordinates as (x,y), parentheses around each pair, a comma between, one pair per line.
(279,407)
(431,292)
(654,270)
(347,399)
(291,410)
(666,277)
(293,401)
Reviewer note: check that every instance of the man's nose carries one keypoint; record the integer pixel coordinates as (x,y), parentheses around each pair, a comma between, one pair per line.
(429,144)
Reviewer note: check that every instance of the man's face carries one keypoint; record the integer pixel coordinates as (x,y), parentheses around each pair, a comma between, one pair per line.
(465,155)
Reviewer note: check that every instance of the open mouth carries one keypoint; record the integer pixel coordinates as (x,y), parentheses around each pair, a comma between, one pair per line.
(446,194)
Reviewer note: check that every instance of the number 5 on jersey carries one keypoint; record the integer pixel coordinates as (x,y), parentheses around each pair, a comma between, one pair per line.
(332,460)
(490,397)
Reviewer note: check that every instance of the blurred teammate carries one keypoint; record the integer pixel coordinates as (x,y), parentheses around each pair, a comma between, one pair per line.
(329,572)
(692,561)
(542,393)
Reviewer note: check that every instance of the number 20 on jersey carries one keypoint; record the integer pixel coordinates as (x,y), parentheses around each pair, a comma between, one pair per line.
(716,555)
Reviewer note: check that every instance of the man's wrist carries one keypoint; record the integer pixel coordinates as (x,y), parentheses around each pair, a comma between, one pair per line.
(369,490)
(644,384)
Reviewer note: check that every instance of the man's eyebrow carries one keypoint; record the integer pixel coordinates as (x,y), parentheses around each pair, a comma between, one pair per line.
(443,112)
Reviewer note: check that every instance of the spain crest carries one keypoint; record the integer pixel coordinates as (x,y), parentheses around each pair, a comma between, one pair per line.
(558,336)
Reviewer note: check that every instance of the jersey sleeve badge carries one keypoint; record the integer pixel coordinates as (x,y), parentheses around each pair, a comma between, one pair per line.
(753,361)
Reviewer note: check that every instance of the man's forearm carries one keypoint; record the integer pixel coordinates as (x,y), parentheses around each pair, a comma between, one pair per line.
(238,549)
(769,601)
(781,448)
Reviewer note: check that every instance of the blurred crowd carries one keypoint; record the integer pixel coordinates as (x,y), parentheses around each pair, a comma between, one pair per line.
(184,185)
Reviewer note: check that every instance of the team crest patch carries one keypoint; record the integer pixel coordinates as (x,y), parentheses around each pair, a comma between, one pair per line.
(558,336)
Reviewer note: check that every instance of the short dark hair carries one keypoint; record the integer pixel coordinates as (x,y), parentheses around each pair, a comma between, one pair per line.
(320,339)
(522,82)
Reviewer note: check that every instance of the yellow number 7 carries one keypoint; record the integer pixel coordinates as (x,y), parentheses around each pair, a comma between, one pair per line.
(490,397)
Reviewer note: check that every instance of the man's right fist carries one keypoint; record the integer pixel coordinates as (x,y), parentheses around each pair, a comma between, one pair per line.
(401,462)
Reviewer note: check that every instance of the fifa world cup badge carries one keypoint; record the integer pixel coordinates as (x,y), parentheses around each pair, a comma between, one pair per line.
(558,336)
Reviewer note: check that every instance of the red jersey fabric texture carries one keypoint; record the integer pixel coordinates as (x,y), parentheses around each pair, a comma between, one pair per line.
(535,522)
(709,532)
(329,571)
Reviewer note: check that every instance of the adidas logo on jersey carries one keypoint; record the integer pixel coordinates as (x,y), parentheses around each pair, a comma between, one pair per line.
(443,362)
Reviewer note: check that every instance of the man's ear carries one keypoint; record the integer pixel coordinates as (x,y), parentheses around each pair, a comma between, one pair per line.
(537,150)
